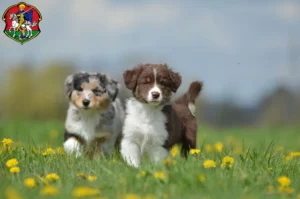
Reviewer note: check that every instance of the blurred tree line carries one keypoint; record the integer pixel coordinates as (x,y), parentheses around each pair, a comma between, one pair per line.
(39,94)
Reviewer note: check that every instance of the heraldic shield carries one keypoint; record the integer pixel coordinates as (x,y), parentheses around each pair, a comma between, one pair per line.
(22,22)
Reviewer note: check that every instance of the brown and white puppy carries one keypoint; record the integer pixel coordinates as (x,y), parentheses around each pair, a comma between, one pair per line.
(95,115)
(152,125)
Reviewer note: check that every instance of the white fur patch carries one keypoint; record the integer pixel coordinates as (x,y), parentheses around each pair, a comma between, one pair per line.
(144,132)
(192,108)
(154,89)
(72,146)
(87,125)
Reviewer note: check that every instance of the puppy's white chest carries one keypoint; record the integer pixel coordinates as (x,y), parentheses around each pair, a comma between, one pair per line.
(146,125)
(83,125)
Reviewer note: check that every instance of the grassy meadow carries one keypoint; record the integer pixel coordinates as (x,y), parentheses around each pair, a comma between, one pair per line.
(231,163)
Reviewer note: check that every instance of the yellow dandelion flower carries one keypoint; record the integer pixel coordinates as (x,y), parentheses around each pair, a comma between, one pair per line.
(83,192)
(14,170)
(142,173)
(12,163)
(208,148)
(292,155)
(194,151)
(30,182)
(92,178)
(209,164)
(159,175)
(288,190)
(284,181)
(132,196)
(52,177)
(227,161)
(11,193)
(218,147)
(48,151)
(201,178)
(49,190)
(174,151)
(7,142)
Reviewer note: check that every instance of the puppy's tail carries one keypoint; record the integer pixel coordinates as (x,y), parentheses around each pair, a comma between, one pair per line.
(188,99)
(194,90)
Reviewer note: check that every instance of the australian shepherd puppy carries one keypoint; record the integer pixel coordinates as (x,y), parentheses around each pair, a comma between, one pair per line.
(95,115)
(152,124)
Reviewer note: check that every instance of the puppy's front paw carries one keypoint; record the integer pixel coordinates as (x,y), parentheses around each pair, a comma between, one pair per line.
(72,146)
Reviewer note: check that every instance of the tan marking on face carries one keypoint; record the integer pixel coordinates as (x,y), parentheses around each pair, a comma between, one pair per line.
(99,102)
(89,86)
(77,99)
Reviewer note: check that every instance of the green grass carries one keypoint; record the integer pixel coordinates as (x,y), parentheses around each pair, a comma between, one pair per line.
(258,164)
(34,33)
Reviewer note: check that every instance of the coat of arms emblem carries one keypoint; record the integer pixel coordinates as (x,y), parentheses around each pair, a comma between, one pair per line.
(22,22)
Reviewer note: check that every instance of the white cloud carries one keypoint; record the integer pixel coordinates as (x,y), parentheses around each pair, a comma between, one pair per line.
(114,17)
(289,11)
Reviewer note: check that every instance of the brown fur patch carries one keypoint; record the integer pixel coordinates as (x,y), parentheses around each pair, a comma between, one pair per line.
(101,102)
(76,98)
(96,102)
(141,79)
(182,125)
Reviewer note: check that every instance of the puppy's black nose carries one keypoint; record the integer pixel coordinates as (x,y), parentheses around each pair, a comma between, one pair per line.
(155,95)
(86,102)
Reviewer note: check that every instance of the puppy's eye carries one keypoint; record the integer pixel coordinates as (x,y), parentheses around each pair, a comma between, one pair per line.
(146,81)
(164,83)
(97,92)
(79,89)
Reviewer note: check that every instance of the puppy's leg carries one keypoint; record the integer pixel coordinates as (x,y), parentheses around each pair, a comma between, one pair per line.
(73,146)
(130,152)
(190,137)
(157,153)
(103,143)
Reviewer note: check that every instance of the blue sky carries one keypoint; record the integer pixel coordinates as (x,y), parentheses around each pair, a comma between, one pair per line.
(240,49)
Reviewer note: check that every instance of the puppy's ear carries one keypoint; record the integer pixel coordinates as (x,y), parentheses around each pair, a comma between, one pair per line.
(176,80)
(130,77)
(111,85)
(69,85)
(112,89)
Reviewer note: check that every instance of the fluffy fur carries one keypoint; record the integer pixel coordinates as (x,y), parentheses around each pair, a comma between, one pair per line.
(152,125)
(95,115)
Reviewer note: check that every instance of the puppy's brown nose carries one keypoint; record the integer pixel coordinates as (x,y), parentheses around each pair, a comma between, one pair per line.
(155,95)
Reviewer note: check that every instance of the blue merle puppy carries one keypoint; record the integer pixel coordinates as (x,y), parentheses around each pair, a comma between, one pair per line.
(95,115)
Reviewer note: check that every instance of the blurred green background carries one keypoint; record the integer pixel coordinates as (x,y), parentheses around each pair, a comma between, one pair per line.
(38,94)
